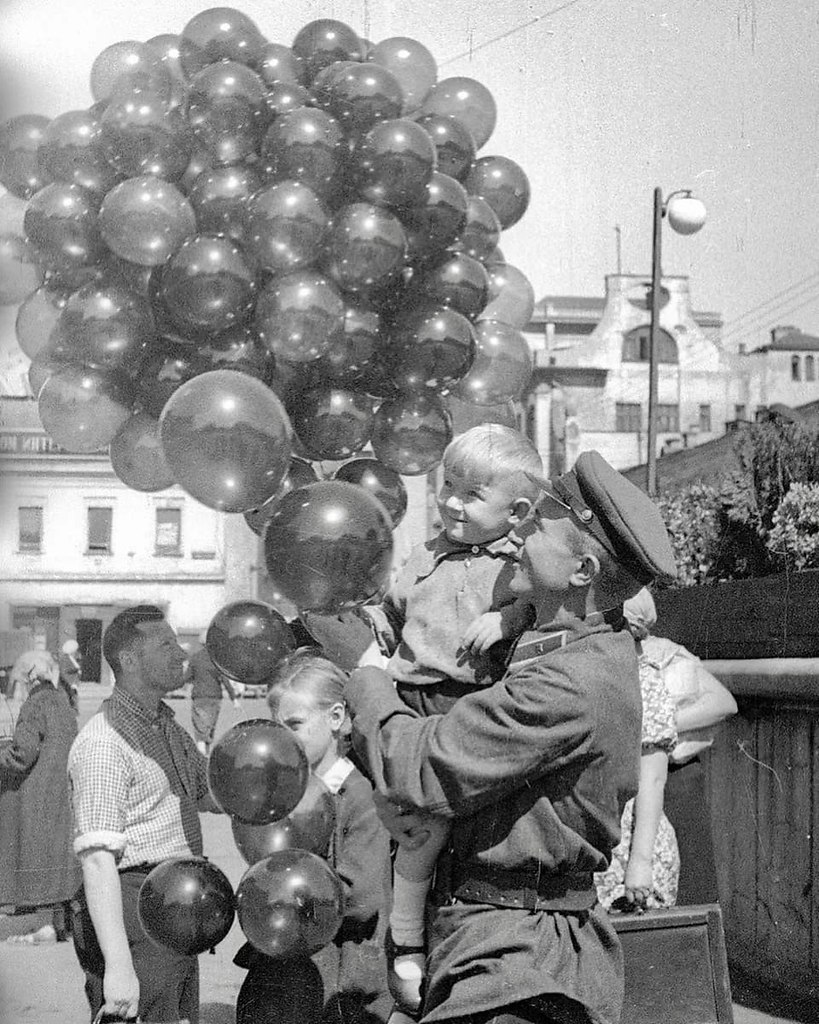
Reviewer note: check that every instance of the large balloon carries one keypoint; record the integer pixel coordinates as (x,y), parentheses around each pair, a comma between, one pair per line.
(454,145)
(410,433)
(107,326)
(145,219)
(247,639)
(511,296)
(290,904)
(84,409)
(468,101)
(351,359)
(164,369)
(430,348)
(38,318)
(329,546)
(227,440)
(278,65)
(305,145)
(257,771)
(129,67)
(219,197)
(366,247)
(226,111)
(237,348)
(503,184)
(137,457)
(333,423)
(322,42)
(20,271)
(166,46)
(394,162)
(361,95)
(299,315)
(140,134)
(300,474)
(436,223)
(61,224)
(20,169)
(71,152)
(412,64)
(455,280)
(217,34)
(186,904)
(309,826)
(285,226)
(480,234)
(381,481)
(502,367)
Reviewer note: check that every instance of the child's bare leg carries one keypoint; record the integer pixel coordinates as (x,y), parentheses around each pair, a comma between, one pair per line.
(411,882)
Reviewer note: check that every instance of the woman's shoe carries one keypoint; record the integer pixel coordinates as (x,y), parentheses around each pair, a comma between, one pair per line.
(405,975)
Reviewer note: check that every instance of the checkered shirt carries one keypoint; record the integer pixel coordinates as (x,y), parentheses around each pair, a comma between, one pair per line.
(136,778)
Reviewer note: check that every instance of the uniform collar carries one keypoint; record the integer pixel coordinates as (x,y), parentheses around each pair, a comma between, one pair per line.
(534,644)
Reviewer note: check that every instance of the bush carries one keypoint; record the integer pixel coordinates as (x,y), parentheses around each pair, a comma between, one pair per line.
(793,539)
(693,519)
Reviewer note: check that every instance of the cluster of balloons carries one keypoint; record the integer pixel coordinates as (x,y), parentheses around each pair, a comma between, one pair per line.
(247,257)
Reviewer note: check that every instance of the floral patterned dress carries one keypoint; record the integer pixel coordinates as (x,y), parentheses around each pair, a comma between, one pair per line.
(659,733)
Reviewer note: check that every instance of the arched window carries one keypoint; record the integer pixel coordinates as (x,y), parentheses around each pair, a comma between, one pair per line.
(795,368)
(810,373)
(637,346)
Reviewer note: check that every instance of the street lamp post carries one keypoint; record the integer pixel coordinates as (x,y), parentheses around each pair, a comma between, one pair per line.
(686,215)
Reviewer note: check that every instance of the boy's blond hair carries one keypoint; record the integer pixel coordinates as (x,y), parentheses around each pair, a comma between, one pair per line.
(495,453)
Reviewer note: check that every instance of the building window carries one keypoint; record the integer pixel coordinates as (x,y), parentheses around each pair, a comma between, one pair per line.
(739,412)
(628,417)
(705,419)
(168,531)
(30,528)
(810,373)
(795,368)
(637,347)
(99,530)
(668,419)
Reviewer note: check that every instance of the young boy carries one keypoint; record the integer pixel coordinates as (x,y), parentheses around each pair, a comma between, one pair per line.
(441,624)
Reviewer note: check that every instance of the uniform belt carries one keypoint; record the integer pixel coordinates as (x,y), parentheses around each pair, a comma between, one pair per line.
(474,883)
(137,869)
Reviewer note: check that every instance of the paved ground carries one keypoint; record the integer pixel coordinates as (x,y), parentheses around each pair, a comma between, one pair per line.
(43,984)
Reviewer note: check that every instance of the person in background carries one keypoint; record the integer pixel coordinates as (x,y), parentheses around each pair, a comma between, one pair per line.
(346,982)
(71,671)
(701,703)
(138,784)
(207,686)
(37,864)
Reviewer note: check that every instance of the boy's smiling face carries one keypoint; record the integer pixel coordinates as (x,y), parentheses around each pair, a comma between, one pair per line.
(476,511)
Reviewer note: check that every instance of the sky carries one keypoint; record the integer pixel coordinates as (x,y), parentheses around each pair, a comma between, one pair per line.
(599,101)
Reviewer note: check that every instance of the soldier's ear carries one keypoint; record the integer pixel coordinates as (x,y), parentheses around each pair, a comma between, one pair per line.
(588,567)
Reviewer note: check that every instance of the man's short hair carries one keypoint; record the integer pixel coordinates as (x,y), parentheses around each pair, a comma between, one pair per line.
(491,451)
(123,631)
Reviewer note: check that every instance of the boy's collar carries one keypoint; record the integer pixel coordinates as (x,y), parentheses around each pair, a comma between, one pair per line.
(502,546)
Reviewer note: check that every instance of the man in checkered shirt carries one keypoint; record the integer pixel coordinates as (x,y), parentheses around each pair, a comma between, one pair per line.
(138,784)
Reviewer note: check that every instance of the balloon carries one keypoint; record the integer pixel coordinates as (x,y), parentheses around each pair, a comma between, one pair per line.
(290,904)
(208,285)
(412,64)
(453,143)
(145,219)
(468,101)
(247,639)
(381,481)
(44,365)
(137,457)
(351,360)
(70,151)
(219,197)
(300,474)
(299,315)
(12,211)
(107,325)
(200,161)
(237,348)
(127,67)
(511,297)
(480,234)
(502,366)
(332,423)
(167,47)
(164,369)
(217,34)
(309,826)
(20,273)
(226,111)
(61,224)
(278,65)
(455,280)
(186,904)
(394,162)
(366,247)
(139,134)
(410,433)
(328,546)
(429,349)
(304,145)
(285,226)
(503,184)
(321,43)
(84,409)
(283,97)
(38,318)
(257,771)
(361,95)
(227,440)
(20,141)
(465,415)
(437,222)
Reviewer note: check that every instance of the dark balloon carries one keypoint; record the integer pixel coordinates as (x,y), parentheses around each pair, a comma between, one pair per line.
(300,474)
(304,145)
(321,43)
(361,95)
(278,65)
(381,481)
(332,423)
(410,433)
(20,169)
(394,162)
(465,415)
(299,315)
(435,224)
(290,904)
(227,440)
(366,247)
(139,134)
(283,97)
(61,224)
(453,143)
(226,111)
(128,67)
(164,369)
(286,225)
(429,349)
(107,325)
(481,232)
(454,280)
(468,101)
(511,296)
(329,546)
(208,285)
(71,152)
(247,639)
(20,271)
(412,64)
(351,360)
(238,348)
(309,826)
(82,409)
(137,457)
(257,771)
(186,904)
(38,317)
(218,34)
(167,47)
(503,184)
(219,197)
(502,366)
(145,219)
